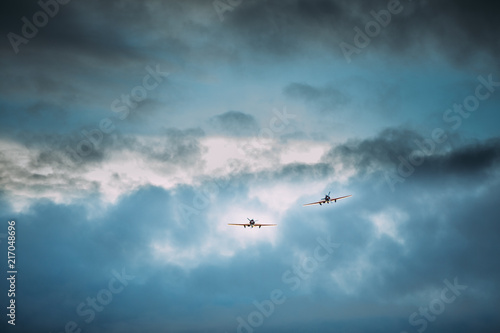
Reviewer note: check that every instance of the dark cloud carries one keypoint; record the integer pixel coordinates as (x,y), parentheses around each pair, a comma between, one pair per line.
(371,272)
(326,98)
(474,158)
(422,23)
(386,150)
(68,31)
(234,123)
(382,150)
(275,27)
(460,29)
(192,274)
(69,159)
(176,147)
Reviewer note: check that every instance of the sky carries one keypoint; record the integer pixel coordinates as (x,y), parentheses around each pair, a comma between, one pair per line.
(133,132)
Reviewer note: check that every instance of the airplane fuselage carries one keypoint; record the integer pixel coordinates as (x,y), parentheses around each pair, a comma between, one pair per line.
(251,222)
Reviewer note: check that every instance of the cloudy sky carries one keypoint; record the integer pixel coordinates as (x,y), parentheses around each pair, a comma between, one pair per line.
(132,132)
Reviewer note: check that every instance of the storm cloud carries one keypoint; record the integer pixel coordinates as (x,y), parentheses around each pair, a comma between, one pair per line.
(132,133)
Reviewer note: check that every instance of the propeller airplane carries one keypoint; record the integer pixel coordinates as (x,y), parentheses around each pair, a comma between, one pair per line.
(327,199)
(251,223)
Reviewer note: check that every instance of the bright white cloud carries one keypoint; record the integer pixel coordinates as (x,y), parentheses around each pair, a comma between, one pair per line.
(388,221)
(125,170)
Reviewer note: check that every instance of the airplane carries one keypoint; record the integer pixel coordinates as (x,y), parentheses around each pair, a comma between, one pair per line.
(327,199)
(251,223)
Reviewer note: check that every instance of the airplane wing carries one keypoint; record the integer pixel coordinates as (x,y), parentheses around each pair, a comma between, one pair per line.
(335,199)
(315,203)
(255,225)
